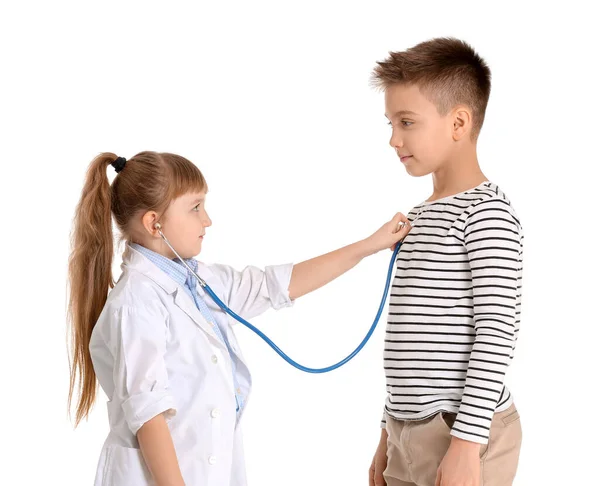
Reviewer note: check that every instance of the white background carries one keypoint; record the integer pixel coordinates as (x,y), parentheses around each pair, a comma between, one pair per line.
(271,101)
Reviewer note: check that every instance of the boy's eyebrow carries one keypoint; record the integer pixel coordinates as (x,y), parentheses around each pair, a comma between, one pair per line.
(402,112)
(197,200)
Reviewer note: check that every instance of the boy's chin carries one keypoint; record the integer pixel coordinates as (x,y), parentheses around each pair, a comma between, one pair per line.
(415,171)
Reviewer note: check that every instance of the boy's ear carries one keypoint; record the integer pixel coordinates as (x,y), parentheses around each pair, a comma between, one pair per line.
(462,122)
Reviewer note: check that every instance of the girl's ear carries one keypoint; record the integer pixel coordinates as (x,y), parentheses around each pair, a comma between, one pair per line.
(150,222)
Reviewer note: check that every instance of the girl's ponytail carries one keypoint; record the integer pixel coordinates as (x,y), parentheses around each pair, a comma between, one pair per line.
(90,277)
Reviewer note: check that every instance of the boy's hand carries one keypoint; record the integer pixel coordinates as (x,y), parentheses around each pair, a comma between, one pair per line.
(461,465)
(389,234)
(379,462)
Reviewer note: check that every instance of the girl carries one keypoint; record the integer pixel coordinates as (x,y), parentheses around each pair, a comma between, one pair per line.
(165,355)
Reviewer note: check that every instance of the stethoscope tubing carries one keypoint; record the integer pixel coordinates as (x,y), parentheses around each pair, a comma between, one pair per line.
(276,348)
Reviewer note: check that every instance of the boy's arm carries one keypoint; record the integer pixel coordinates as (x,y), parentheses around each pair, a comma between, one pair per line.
(492,236)
(312,274)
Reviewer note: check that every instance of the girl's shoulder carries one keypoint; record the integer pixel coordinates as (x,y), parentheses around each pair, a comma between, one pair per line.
(136,292)
(135,305)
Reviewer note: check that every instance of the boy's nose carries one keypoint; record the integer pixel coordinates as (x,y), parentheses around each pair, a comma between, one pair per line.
(396,141)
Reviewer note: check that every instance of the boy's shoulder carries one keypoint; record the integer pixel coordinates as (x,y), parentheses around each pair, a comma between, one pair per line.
(490,196)
(491,191)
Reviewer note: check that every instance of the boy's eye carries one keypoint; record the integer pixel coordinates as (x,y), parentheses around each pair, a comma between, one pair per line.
(404,123)
(197,206)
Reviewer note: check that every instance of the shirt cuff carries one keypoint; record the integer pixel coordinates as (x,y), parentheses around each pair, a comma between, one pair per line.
(278,283)
(469,437)
(141,408)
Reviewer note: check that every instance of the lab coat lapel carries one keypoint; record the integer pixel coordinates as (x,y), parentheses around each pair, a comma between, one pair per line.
(135,260)
(217,287)
(185,303)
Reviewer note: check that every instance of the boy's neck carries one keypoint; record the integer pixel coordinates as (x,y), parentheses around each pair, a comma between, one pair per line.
(456,176)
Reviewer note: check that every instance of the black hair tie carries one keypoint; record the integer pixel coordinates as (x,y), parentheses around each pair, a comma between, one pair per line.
(119,163)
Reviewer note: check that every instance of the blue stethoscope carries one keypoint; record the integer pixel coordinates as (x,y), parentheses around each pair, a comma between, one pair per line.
(226,309)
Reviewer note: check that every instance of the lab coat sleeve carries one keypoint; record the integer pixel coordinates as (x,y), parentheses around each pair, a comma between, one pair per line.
(139,339)
(253,291)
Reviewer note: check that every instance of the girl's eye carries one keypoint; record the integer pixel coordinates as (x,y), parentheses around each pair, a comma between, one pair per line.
(389,123)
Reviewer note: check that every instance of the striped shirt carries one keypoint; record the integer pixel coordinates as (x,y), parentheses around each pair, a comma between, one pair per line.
(454,311)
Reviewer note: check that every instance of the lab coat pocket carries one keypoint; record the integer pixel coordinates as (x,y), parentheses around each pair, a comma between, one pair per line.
(125,466)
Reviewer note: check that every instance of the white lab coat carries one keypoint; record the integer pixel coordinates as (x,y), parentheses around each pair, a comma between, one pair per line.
(154,352)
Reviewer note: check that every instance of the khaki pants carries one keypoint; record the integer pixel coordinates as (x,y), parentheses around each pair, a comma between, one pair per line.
(415,449)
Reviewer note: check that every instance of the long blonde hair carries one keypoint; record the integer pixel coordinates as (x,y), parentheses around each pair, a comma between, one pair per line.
(149,181)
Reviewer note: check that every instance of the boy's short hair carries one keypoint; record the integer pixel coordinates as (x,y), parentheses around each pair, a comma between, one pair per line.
(448,72)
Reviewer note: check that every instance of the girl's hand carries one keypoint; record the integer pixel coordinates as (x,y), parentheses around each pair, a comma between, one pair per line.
(389,234)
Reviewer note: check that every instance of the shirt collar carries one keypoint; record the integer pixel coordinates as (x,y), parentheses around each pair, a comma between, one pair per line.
(174,268)
(135,260)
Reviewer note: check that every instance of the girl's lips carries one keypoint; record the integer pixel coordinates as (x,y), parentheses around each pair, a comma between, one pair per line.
(405,158)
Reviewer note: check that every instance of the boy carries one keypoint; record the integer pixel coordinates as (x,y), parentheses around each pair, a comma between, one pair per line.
(454,310)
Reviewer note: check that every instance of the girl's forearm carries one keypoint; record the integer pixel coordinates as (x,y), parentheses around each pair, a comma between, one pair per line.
(316,272)
(158,450)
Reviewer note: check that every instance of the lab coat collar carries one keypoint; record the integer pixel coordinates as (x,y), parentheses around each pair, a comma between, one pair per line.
(134,260)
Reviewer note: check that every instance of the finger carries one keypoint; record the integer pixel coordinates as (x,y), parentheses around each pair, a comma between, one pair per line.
(402,232)
(400,218)
(401,226)
(379,481)
(438,478)
(397,219)
(372,476)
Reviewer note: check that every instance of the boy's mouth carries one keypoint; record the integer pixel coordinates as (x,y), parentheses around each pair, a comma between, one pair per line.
(405,158)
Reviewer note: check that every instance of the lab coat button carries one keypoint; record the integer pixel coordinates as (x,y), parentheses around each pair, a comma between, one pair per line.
(212,460)
(214,358)
(215,412)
